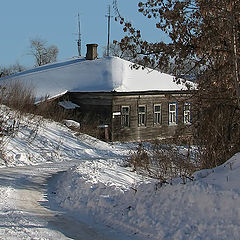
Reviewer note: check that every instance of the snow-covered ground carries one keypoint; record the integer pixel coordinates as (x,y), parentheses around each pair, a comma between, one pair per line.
(206,208)
(56,183)
(45,141)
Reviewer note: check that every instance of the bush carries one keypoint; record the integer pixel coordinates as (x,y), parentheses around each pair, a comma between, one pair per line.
(17,96)
(164,161)
(51,110)
(15,101)
(216,125)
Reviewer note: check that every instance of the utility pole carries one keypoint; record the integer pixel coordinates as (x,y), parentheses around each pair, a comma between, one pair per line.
(79,42)
(109,21)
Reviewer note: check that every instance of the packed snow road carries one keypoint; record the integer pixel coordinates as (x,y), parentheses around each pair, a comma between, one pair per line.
(24,207)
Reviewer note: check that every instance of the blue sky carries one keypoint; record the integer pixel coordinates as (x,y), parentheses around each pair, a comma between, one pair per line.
(56,22)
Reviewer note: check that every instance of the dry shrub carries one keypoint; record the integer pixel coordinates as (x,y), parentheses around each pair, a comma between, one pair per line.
(16,100)
(17,96)
(216,123)
(163,162)
(51,110)
(89,125)
(20,97)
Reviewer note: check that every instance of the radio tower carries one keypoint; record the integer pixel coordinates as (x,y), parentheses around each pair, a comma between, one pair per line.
(109,20)
(79,41)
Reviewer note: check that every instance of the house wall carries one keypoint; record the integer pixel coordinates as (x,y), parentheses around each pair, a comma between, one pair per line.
(96,108)
(106,108)
(150,130)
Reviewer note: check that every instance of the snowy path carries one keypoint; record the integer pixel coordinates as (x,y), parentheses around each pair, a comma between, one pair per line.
(24,209)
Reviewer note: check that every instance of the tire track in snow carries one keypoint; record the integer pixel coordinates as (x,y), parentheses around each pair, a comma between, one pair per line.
(28,208)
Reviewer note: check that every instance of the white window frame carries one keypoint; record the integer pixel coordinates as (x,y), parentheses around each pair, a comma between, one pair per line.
(125,117)
(172,114)
(187,113)
(157,115)
(142,116)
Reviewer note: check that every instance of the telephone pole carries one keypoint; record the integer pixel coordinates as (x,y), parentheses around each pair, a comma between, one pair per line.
(109,21)
(79,41)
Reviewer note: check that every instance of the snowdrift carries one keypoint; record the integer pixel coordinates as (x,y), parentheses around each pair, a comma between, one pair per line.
(37,140)
(206,208)
(101,186)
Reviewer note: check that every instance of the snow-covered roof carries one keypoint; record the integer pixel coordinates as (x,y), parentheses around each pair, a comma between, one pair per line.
(68,105)
(105,74)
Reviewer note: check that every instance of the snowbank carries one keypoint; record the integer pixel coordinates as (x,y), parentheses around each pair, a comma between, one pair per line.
(101,186)
(206,208)
(37,140)
(46,147)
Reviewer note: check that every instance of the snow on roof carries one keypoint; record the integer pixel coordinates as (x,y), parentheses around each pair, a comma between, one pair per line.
(105,74)
(68,105)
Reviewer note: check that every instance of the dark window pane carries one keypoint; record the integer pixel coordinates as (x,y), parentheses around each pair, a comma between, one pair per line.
(141,109)
(157,108)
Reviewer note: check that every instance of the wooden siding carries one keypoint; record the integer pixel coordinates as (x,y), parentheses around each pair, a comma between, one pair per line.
(105,107)
(150,130)
(96,107)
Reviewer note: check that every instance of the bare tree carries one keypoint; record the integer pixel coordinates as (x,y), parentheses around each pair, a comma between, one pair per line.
(42,53)
(116,51)
(9,70)
(205,35)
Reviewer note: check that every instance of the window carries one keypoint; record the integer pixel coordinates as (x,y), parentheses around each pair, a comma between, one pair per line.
(141,115)
(187,113)
(157,114)
(125,116)
(172,114)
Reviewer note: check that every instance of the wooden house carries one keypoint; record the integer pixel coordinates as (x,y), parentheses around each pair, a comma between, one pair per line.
(134,116)
(125,103)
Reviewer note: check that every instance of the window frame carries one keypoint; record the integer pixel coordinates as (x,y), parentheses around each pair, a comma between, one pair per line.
(172,113)
(187,113)
(157,120)
(142,119)
(125,117)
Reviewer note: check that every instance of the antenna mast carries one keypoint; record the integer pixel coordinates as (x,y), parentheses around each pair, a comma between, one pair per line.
(109,21)
(79,42)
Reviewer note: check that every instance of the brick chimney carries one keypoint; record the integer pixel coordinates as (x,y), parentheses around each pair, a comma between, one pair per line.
(91,51)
